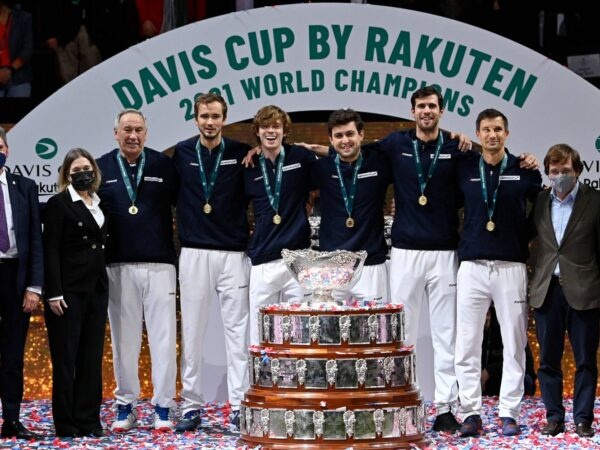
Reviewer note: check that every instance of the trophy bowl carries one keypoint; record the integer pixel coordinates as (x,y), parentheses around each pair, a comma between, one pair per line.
(322,272)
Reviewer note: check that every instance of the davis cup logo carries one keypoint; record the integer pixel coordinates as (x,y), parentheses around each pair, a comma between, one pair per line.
(46,148)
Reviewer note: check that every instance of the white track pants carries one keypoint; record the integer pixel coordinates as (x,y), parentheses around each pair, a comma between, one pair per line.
(372,285)
(427,278)
(271,283)
(479,284)
(206,276)
(143,293)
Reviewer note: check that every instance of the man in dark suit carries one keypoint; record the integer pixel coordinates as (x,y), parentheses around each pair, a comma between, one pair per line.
(565,289)
(21,275)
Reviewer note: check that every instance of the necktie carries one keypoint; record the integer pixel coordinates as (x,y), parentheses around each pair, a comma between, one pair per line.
(4,242)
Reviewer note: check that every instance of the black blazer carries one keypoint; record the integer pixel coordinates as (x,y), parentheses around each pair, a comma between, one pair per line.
(73,248)
(28,231)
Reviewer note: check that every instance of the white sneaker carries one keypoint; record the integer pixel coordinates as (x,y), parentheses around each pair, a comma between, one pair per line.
(162,419)
(126,419)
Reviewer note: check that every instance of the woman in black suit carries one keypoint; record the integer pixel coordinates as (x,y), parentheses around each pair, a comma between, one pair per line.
(76,291)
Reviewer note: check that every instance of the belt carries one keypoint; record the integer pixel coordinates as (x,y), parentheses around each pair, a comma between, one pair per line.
(557,279)
(8,260)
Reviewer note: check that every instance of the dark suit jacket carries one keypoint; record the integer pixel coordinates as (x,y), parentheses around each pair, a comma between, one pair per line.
(28,231)
(578,254)
(73,248)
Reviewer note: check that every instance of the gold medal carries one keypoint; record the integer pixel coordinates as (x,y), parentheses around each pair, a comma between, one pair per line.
(207,208)
(490,225)
(133,210)
(276,219)
(350,222)
(422,200)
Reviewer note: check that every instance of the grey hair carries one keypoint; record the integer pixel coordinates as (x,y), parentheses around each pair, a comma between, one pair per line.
(128,111)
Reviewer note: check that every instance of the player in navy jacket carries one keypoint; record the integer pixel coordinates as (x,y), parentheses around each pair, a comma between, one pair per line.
(423,262)
(492,253)
(352,209)
(139,187)
(279,202)
(213,230)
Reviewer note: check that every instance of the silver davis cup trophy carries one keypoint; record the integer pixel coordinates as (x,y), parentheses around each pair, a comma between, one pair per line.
(323,272)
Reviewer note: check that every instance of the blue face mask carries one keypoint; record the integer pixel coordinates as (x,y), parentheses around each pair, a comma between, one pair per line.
(2,160)
(563,183)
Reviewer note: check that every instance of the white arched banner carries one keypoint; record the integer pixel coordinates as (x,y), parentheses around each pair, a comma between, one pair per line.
(304,58)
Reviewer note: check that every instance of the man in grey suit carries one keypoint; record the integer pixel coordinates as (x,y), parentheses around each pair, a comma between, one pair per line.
(565,289)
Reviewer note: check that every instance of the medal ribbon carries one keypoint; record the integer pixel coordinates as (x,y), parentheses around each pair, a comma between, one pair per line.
(348,199)
(484,191)
(273,196)
(140,171)
(422,180)
(208,186)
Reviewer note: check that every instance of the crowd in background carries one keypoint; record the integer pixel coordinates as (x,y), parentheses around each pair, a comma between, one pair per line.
(65,37)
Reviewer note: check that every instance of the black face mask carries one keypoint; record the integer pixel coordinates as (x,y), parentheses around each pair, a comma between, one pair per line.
(82,181)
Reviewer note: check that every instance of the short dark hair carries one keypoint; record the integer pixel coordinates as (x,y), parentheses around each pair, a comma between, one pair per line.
(426,92)
(65,169)
(560,153)
(343,117)
(207,98)
(490,113)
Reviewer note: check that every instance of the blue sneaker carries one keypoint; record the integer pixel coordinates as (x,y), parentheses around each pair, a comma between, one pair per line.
(162,419)
(189,422)
(126,419)
(234,420)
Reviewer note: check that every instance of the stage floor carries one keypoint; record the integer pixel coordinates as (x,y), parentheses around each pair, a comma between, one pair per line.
(214,433)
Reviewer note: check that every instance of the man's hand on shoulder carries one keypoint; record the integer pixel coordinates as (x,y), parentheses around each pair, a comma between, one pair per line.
(464,142)
(247,161)
(317,149)
(528,161)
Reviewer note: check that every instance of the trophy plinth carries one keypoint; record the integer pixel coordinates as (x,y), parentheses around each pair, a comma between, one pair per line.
(331,376)
(323,272)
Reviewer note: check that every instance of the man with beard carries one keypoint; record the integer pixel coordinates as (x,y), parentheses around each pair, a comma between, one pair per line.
(425,236)
(213,230)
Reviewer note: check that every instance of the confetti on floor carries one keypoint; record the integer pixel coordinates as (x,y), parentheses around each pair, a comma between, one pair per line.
(215,433)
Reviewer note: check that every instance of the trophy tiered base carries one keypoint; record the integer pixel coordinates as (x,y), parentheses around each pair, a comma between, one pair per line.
(332,377)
